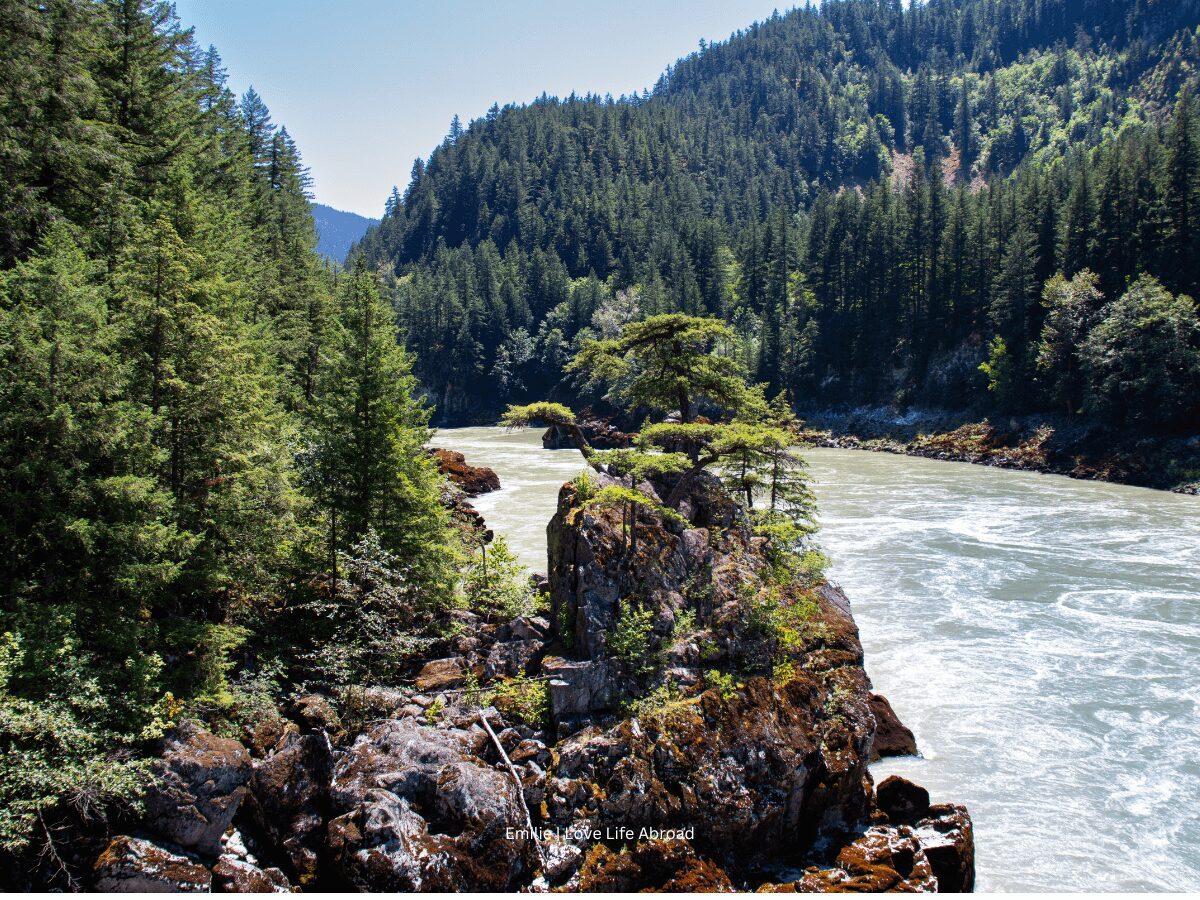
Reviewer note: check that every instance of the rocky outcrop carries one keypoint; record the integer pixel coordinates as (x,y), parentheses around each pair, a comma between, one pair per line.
(1061,445)
(197,785)
(135,866)
(892,737)
(289,801)
(236,876)
(688,717)
(472,480)
(599,432)
(418,810)
(756,723)
(659,865)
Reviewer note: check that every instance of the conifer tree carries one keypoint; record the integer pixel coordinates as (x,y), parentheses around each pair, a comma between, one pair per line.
(368,466)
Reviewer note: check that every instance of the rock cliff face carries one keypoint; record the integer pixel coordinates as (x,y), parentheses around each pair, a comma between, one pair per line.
(688,717)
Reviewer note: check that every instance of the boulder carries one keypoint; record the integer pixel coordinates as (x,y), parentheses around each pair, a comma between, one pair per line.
(902,801)
(513,658)
(237,876)
(416,810)
(884,859)
(892,737)
(531,628)
(383,845)
(316,713)
(578,688)
(473,480)
(134,866)
(657,865)
(947,837)
(289,800)
(441,674)
(197,785)
(600,433)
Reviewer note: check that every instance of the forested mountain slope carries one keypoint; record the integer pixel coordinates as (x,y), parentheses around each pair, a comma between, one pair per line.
(338,231)
(200,425)
(874,196)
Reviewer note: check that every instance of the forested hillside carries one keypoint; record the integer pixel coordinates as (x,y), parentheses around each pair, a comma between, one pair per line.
(207,440)
(878,199)
(338,231)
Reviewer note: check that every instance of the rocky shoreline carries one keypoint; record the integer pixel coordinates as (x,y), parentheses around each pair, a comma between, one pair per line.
(720,742)
(1037,444)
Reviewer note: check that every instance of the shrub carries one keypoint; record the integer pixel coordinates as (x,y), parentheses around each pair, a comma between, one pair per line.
(523,698)
(664,705)
(585,487)
(434,711)
(685,624)
(55,753)
(723,683)
(497,585)
(373,621)
(629,641)
(783,672)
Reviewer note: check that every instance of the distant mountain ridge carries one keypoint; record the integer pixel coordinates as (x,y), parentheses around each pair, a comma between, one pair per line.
(873,195)
(337,230)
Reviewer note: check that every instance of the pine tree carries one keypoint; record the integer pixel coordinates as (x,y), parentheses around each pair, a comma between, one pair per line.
(368,470)
(1181,192)
(1073,309)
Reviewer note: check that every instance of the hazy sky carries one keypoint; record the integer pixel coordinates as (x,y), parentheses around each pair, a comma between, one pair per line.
(366,86)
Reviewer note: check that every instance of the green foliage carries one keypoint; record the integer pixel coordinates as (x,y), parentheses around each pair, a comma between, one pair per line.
(55,749)
(685,624)
(783,672)
(639,465)
(665,362)
(585,487)
(211,456)
(1142,360)
(524,699)
(663,705)
(1072,310)
(629,640)
(549,413)
(205,652)
(374,620)
(784,616)
(566,627)
(723,683)
(367,466)
(999,369)
(615,495)
(497,585)
(930,167)
(434,711)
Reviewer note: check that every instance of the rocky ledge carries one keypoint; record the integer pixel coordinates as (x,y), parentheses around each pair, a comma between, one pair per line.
(682,719)
(471,480)
(599,432)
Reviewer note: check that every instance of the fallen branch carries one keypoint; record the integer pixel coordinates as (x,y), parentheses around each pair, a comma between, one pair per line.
(512,770)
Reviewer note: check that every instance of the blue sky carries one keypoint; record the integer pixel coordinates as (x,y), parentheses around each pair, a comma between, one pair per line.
(366,86)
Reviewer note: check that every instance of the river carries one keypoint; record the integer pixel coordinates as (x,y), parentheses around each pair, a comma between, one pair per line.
(1041,636)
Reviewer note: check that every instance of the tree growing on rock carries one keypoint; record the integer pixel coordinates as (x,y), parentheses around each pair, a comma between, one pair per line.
(669,363)
(666,362)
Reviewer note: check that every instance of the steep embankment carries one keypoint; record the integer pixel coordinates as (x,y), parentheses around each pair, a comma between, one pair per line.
(1054,445)
(683,719)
